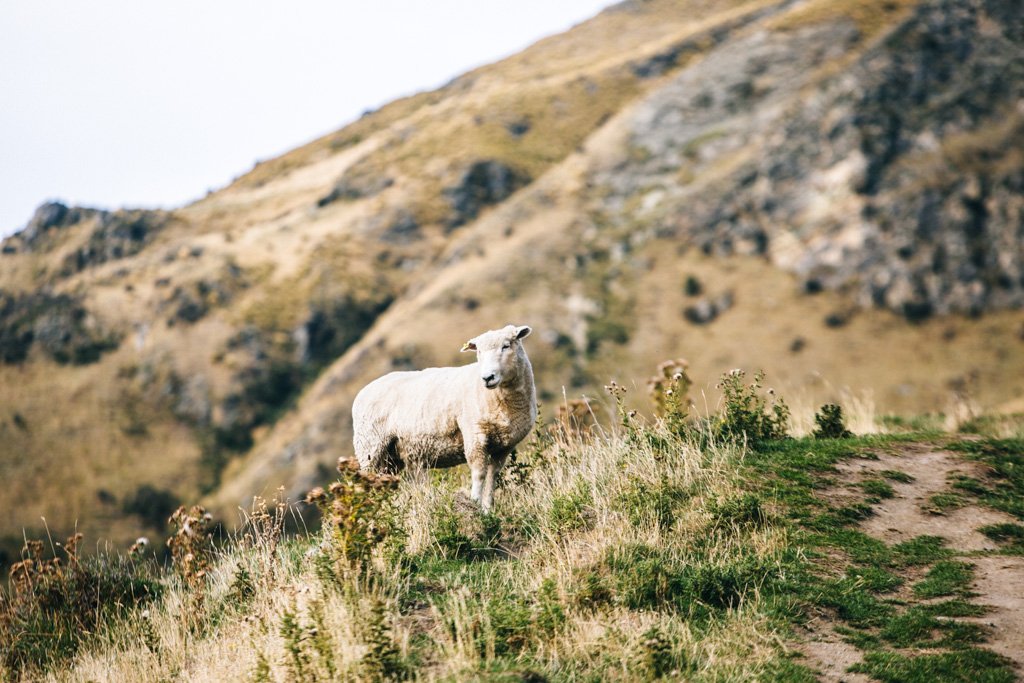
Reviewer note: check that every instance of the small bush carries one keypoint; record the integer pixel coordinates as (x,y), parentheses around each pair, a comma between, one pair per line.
(650,504)
(358,513)
(604,329)
(655,656)
(382,661)
(830,423)
(191,546)
(56,605)
(746,414)
(570,511)
(742,512)
(309,646)
(669,389)
(450,539)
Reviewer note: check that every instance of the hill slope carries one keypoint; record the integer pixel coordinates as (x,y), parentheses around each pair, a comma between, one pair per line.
(652,553)
(829,191)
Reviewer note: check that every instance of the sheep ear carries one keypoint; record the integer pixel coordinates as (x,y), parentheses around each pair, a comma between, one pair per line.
(523,332)
(469,346)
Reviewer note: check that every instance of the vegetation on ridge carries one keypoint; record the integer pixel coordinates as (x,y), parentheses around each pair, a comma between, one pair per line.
(658,550)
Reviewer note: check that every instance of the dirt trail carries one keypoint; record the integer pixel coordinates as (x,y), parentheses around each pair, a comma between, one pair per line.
(999,580)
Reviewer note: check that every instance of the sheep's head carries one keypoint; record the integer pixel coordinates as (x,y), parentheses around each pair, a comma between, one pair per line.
(499,354)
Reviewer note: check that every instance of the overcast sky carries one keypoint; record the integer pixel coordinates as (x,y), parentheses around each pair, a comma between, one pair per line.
(139,103)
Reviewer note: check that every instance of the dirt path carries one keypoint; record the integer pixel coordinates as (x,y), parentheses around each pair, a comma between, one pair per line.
(999,580)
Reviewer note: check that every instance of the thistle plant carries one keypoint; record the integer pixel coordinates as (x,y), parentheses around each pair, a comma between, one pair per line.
(191,544)
(748,415)
(357,512)
(626,417)
(669,389)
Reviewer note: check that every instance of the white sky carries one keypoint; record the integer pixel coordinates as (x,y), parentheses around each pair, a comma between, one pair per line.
(150,103)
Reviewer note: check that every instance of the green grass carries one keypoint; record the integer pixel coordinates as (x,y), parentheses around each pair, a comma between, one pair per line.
(1008,534)
(921,550)
(940,503)
(651,555)
(970,665)
(56,606)
(897,476)
(946,577)
(1003,487)
(858,575)
(876,489)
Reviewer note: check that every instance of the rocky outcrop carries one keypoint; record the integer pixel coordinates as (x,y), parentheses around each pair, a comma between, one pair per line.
(481,184)
(899,181)
(46,224)
(357,185)
(115,234)
(191,302)
(57,324)
(118,234)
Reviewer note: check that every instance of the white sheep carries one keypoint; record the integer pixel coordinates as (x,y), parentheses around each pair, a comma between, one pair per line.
(442,417)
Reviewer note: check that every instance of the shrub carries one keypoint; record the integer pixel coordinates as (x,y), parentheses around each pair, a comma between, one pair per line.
(461,532)
(451,541)
(748,415)
(655,657)
(669,389)
(830,423)
(358,513)
(382,661)
(191,544)
(59,325)
(309,647)
(743,512)
(604,329)
(647,504)
(57,604)
(570,511)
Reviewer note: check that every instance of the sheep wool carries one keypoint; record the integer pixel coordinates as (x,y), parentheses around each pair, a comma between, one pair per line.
(442,417)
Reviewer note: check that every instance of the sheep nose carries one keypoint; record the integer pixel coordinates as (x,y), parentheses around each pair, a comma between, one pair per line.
(489,378)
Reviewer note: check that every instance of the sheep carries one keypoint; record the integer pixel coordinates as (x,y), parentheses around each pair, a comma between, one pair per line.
(442,417)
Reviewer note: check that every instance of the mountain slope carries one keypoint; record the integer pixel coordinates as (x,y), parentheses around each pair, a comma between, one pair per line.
(818,189)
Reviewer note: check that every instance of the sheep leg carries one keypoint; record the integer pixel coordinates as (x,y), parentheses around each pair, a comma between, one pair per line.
(494,465)
(476,471)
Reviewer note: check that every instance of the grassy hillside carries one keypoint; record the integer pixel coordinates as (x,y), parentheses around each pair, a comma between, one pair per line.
(713,549)
(720,182)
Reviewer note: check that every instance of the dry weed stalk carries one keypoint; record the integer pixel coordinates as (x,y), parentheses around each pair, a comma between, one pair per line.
(669,388)
(578,419)
(357,511)
(34,570)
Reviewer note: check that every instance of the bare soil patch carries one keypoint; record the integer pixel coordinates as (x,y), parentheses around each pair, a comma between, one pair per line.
(999,583)
(909,514)
(999,580)
(830,654)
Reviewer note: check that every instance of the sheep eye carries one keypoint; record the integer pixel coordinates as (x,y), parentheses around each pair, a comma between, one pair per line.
(506,346)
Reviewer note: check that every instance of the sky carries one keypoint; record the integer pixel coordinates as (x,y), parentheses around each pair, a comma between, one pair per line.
(139,103)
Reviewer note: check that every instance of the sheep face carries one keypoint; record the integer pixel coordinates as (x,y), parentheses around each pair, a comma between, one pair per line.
(499,354)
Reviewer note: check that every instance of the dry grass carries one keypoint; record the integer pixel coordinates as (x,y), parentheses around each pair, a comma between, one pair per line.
(870,17)
(270,613)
